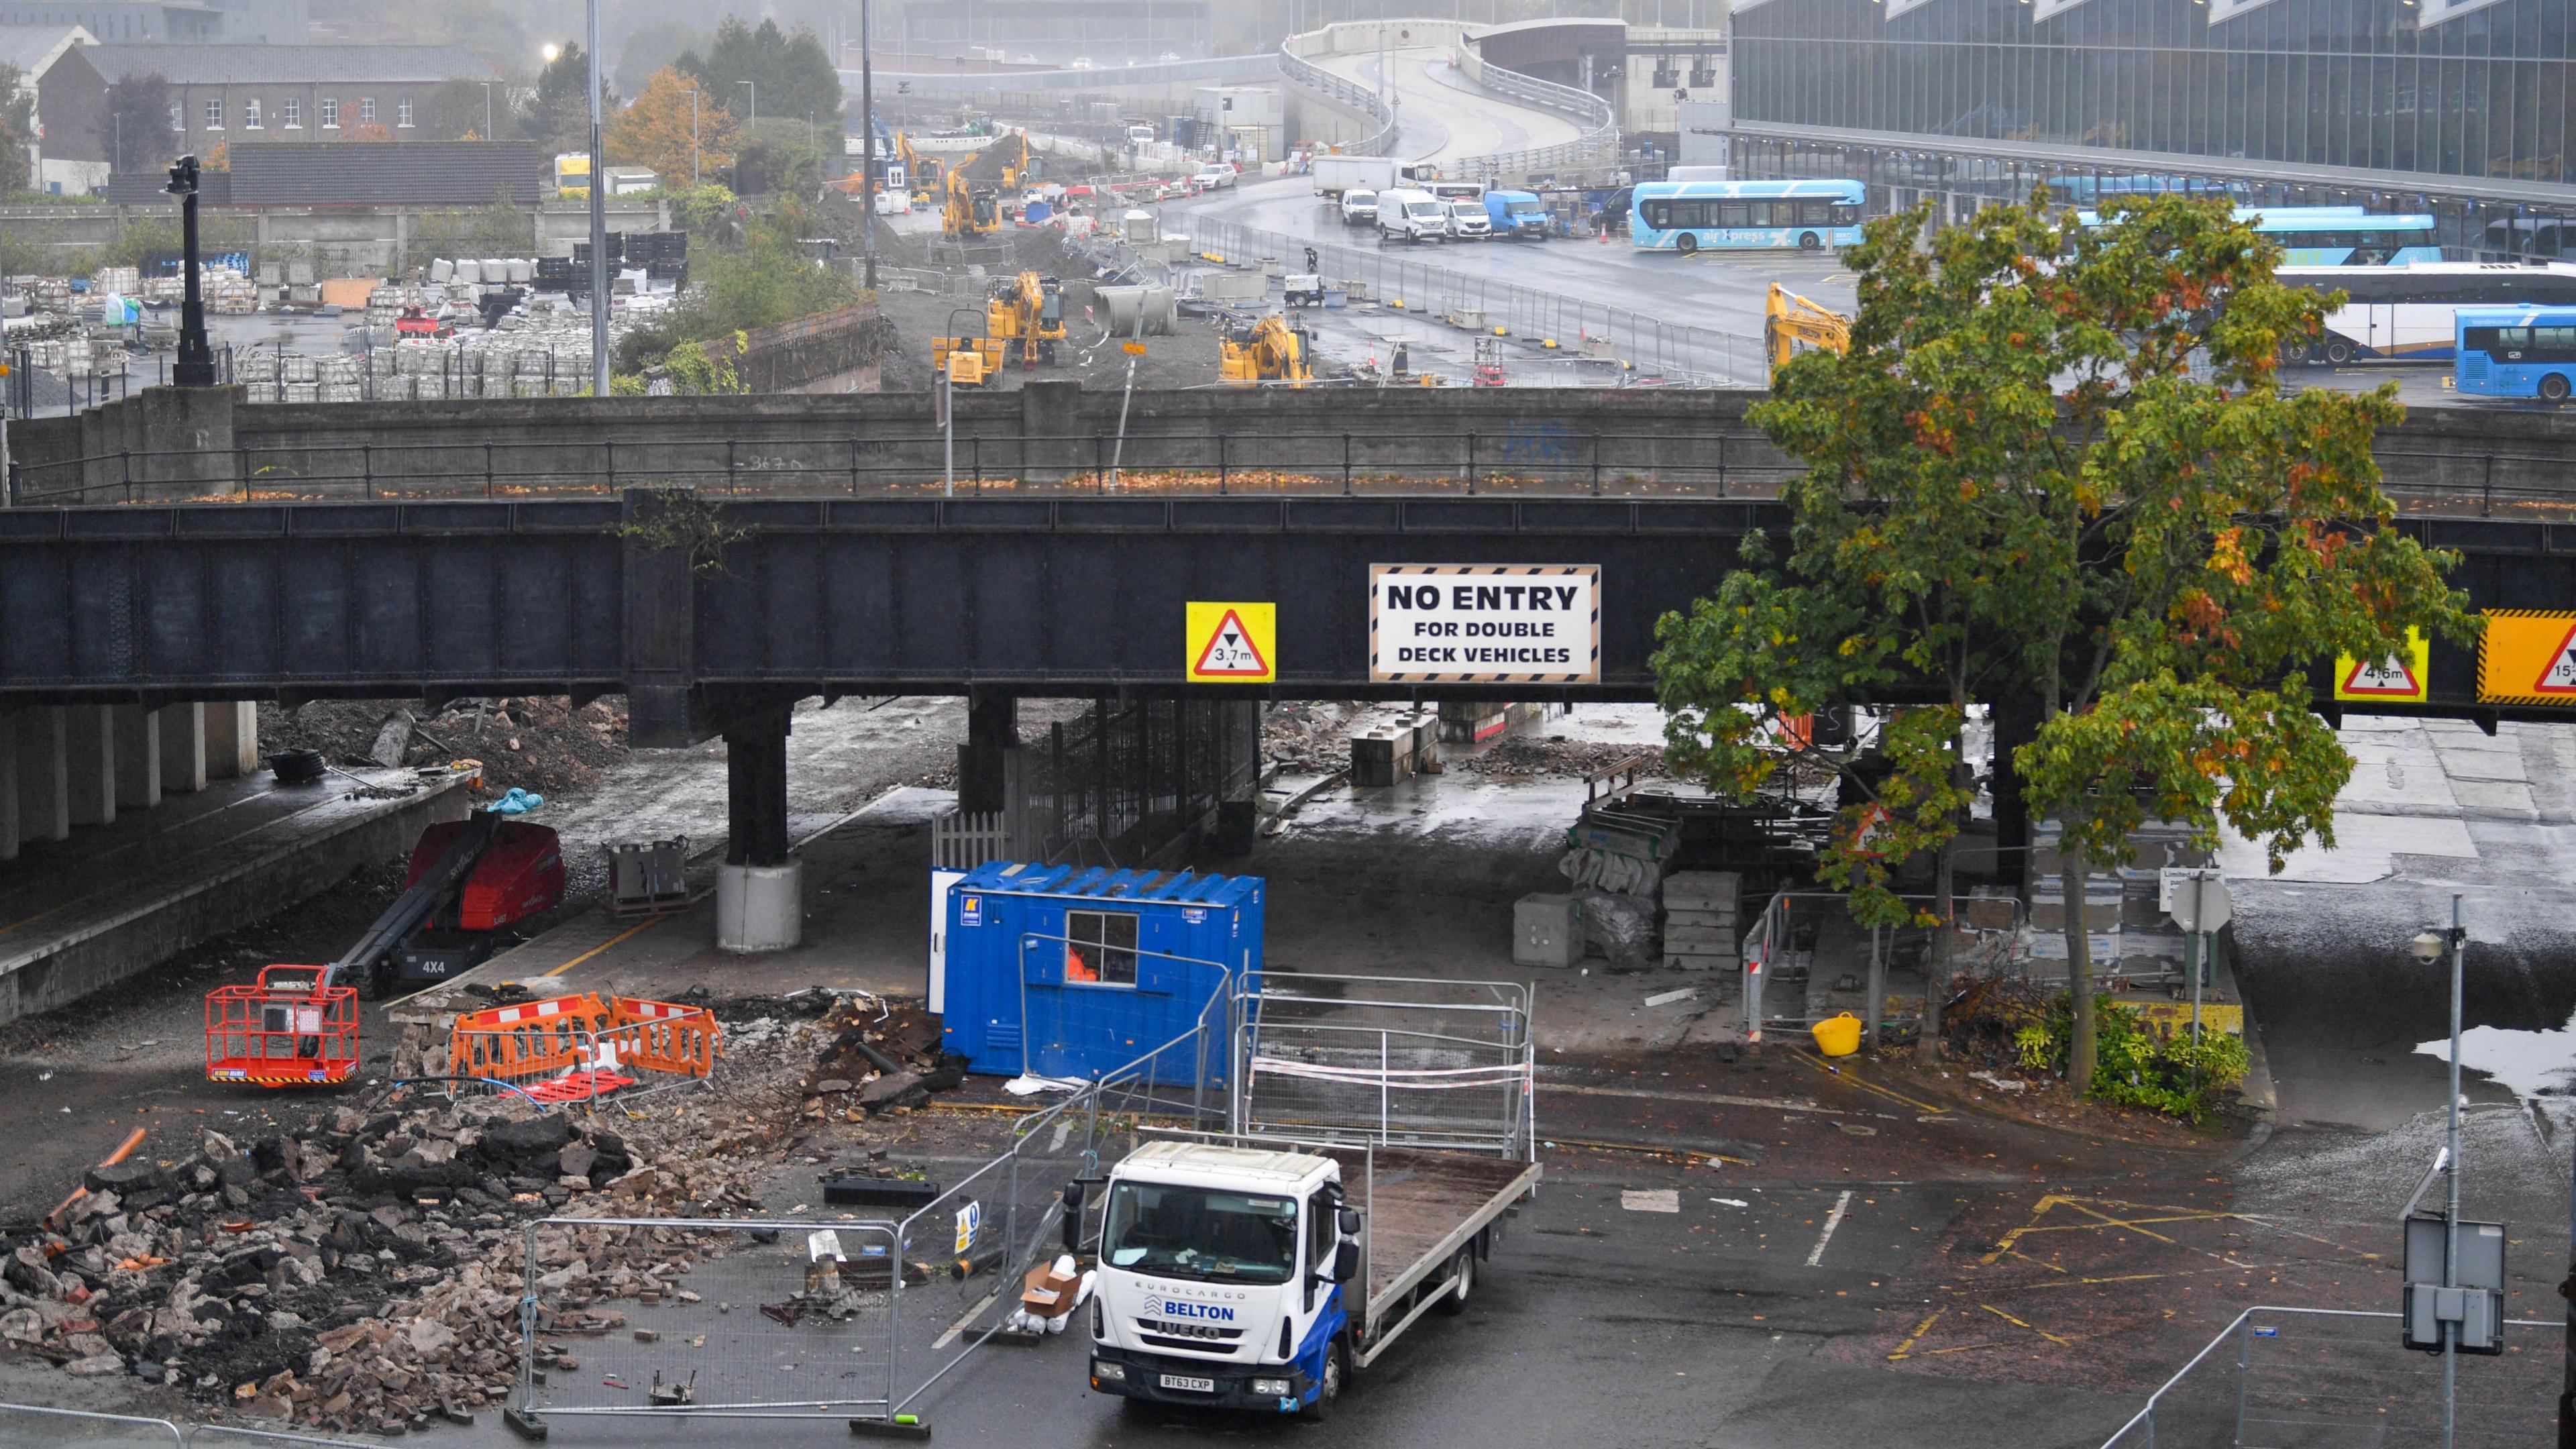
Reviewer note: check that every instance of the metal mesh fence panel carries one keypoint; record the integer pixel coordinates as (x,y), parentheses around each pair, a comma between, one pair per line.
(36,1427)
(2289,1378)
(1393,1060)
(761,1318)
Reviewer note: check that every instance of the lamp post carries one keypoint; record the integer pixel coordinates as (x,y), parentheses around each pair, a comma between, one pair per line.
(196,364)
(2427,948)
(598,225)
(867,146)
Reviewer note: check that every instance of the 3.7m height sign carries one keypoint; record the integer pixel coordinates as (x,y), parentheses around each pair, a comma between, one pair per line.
(1485,623)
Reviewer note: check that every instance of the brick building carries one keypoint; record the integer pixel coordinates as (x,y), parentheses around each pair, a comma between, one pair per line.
(247,95)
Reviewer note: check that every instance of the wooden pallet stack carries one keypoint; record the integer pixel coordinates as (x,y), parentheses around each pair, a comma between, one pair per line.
(1702,930)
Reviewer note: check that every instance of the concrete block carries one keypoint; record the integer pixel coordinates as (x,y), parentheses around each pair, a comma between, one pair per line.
(44,793)
(89,757)
(183,748)
(232,739)
(8,787)
(137,733)
(1547,930)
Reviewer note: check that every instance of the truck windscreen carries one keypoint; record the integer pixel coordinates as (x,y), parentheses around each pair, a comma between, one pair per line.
(1200,1233)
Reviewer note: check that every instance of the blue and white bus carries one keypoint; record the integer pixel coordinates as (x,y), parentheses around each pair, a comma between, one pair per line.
(2335,236)
(2090,190)
(1684,216)
(2516,352)
(2409,314)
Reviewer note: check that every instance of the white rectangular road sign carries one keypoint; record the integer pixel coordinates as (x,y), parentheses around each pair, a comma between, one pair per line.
(1485,623)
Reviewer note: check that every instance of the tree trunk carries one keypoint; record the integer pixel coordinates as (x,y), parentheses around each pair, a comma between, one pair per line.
(2079,964)
(1936,972)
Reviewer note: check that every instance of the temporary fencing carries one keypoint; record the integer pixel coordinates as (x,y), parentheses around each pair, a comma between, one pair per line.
(2281,1377)
(1402,1061)
(286,1029)
(761,1318)
(31,1426)
(570,1049)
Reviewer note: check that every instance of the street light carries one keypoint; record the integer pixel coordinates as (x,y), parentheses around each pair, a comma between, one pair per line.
(2427,948)
(868,145)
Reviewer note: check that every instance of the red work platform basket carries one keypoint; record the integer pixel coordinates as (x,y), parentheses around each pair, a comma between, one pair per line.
(288,1030)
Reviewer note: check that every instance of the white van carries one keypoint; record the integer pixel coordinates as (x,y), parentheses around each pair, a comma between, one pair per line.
(1468,221)
(1358,207)
(1407,215)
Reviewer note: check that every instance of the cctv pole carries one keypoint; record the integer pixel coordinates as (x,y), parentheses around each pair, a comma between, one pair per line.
(868,145)
(598,227)
(196,364)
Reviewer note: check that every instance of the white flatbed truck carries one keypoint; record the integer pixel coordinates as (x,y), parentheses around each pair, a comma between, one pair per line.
(1380,1140)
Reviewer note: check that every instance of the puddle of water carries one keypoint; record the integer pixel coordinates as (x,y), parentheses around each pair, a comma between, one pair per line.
(2529,1062)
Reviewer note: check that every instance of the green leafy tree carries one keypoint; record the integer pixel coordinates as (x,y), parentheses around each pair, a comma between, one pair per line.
(17,131)
(791,74)
(554,112)
(2056,464)
(134,126)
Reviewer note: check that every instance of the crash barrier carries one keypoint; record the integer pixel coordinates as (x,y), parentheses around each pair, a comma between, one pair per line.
(286,1029)
(1007,1215)
(30,1426)
(1398,1061)
(758,1318)
(1599,142)
(1295,67)
(578,1048)
(2297,1376)
(1639,346)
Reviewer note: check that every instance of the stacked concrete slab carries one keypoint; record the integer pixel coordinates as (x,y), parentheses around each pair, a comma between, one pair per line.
(1703,930)
(1386,750)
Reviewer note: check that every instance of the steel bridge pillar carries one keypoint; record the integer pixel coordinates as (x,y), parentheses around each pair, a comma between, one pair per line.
(760,889)
(992,732)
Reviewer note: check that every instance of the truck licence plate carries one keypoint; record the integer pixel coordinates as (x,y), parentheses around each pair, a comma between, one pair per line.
(1195,1386)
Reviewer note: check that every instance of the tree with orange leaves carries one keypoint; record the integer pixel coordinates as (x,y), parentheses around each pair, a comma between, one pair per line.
(2057,465)
(654,131)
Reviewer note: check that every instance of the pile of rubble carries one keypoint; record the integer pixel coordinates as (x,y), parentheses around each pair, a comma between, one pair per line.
(878,1057)
(364,1273)
(1309,735)
(1520,757)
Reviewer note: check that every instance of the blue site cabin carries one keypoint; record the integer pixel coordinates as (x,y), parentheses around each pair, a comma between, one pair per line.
(1092,968)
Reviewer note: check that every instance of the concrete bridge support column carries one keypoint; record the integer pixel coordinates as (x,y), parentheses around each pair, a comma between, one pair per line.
(2016,724)
(8,787)
(137,734)
(983,770)
(182,728)
(760,890)
(232,739)
(44,785)
(89,758)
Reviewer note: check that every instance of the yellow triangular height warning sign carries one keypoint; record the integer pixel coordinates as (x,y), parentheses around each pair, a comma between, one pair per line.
(1230,652)
(2558,676)
(2393,676)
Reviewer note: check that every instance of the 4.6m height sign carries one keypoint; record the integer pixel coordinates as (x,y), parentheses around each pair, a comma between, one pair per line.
(1485,623)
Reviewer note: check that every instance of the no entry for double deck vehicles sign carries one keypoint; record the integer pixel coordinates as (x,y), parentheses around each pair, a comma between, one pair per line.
(1485,623)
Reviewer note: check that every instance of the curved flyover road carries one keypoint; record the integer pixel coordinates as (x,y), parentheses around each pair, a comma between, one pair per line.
(1443,116)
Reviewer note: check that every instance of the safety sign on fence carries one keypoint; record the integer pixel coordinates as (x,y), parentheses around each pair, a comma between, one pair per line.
(1232,643)
(2406,676)
(1479,623)
(2527,657)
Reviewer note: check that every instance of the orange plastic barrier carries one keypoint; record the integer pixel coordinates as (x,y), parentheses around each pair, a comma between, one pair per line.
(287,1032)
(582,1037)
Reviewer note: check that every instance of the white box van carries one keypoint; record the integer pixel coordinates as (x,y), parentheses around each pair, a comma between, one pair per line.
(1358,207)
(1407,215)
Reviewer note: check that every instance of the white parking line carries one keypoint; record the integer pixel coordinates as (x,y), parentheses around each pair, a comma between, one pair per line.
(1833,1220)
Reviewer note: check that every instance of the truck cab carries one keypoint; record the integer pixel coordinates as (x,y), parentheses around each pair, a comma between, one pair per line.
(1220,1279)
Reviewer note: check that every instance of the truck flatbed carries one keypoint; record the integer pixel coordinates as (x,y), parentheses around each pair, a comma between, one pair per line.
(1421,1207)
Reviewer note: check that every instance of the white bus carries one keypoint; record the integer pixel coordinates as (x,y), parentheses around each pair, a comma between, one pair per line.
(2408,313)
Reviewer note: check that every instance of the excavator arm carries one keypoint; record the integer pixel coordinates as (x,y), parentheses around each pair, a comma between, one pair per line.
(1791,322)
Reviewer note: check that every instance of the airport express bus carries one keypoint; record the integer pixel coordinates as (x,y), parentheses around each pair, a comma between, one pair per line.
(1684,216)
(2409,313)
(2515,352)
(2336,236)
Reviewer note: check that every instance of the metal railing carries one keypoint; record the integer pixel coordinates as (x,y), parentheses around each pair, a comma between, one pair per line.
(1314,77)
(1599,141)
(2299,1376)
(1533,457)
(1393,1061)
(1640,346)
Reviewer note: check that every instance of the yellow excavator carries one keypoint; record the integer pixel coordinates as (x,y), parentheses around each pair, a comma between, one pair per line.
(969,213)
(927,175)
(975,186)
(1266,351)
(967,361)
(1791,323)
(1028,310)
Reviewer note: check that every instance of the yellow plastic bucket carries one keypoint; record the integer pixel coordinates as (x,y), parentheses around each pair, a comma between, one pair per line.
(1838,1036)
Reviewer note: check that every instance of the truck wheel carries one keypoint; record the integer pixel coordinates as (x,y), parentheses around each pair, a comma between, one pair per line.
(2338,351)
(1462,1282)
(1336,1369)
(371,984)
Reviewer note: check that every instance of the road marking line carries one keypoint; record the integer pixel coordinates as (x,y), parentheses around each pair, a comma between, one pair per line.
(1961,1348)
(1853,1076)
(2017,1323)
(644,924)
(1920,1329)
(1833,1220)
